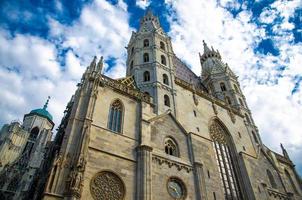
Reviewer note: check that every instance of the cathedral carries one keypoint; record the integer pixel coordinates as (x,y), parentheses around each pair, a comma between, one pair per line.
(160,133)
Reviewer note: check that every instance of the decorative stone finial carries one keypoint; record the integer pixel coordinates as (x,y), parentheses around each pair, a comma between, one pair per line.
(46,103)
(205,47)
(100,65)
(285,154)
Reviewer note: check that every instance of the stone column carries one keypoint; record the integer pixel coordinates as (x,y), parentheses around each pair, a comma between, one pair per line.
(144,175)
(200,181)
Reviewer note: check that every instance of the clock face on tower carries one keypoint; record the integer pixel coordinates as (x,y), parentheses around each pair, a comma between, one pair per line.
(176,188)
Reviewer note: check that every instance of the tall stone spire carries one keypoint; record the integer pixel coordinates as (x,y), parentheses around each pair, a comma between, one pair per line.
(206,49)
(100,65)
(285,154)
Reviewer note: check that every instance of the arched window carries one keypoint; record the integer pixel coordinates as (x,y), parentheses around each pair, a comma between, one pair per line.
(171,147)
(162,46)
(115,116)
(236,88)
(165,79)
(146,57)
(34,133)
(240,101)
(223,147)
(228,100)
(247,118)
(167,100)
(146,43)
(271,178)
(291,181)
(222,87)
(132,50)
(163,60)
(131,65)
(255,137)
(146,76)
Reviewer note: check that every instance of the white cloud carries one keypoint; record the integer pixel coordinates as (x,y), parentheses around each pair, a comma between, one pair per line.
(268,91)
(143,4)
(31,67)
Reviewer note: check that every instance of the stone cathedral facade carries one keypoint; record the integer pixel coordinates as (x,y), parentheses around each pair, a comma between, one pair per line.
(163,133)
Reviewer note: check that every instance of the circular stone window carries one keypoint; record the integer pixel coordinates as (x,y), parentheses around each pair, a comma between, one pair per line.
(176,188)
(107,185)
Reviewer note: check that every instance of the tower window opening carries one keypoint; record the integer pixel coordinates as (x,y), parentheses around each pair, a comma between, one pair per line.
(171,147)
(131,65)
(132,50)
(115,116)
(34,133)
(247,118)
(236,88)
(195,114)
(146,76)
(222,87)
(167,100)
(228,100)
(146,57)
(163,60)
(241,102)
(146,43)
(165,79)
(162,46)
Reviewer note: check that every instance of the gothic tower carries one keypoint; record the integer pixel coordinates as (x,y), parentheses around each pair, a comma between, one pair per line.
(27,144)
(222,82)
(150,63)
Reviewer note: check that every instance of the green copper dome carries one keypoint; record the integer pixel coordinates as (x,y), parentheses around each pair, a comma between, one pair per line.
(42,111)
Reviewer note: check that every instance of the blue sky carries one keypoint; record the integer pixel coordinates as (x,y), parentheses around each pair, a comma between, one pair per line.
(46,45)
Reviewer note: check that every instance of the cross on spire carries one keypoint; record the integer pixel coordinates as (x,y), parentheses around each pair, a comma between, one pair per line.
(46,103)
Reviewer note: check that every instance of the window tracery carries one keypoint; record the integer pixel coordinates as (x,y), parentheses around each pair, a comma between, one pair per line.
(224,160)
(171,147)
(115,116)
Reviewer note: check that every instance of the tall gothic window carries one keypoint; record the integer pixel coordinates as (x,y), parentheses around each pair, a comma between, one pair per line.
(162,46)
(131,65)
(171,147)
(222,147)
(167,100)
(146,57)
(163,60)
(222,87)
(146,43)
(165,79)
(116,116)
(146,76)
(255,137)
(291,181)
(271,178)
(132,50)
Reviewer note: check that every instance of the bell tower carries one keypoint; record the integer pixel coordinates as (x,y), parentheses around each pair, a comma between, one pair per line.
(221,81)
(149,61)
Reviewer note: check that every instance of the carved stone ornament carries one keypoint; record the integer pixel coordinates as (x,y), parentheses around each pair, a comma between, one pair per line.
(170,163)
(217,133)
(108,186)
(232,116)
